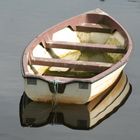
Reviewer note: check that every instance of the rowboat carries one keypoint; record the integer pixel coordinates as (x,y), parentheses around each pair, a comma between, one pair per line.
(76,60)
(75,116)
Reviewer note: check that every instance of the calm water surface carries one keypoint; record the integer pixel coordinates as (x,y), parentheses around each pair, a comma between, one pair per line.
(20,22)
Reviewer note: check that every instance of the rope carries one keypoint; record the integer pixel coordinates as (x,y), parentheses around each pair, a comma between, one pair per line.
(55,86)
(54,101)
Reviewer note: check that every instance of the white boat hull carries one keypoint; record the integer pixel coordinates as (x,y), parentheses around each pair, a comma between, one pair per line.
(73,93)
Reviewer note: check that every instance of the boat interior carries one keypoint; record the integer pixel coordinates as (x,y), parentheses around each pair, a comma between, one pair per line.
(80,51)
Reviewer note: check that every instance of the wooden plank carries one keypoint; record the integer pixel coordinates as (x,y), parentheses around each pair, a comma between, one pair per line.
(89,27)
(78,65)
(85,46)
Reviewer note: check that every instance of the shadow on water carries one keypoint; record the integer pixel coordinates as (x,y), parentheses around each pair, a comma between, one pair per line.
(81,117)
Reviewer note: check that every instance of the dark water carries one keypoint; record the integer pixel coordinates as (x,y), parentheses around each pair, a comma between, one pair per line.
(20,22)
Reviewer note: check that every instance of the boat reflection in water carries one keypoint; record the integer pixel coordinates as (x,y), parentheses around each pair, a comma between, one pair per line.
(82,117)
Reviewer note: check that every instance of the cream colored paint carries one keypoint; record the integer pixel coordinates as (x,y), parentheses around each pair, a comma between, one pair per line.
(39,51)
(66,35)
(104,83)
(72,93)
(39,91)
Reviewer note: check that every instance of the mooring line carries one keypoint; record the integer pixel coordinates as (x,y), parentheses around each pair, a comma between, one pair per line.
(54,101)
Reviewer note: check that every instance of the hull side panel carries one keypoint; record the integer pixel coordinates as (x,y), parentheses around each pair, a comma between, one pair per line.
(102,84)
(76,93)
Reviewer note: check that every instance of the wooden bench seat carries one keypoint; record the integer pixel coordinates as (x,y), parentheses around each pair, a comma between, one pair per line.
(77,65)
(85,46)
